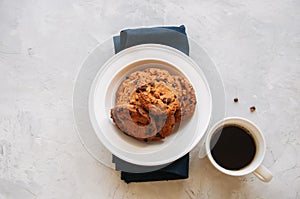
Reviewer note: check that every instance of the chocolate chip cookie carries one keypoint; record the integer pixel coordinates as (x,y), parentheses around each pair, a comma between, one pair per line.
(150,102)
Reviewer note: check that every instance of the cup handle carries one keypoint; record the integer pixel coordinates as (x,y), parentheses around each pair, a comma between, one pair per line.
(263,174)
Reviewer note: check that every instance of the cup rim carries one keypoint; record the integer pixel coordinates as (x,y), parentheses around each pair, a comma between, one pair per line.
(259,156)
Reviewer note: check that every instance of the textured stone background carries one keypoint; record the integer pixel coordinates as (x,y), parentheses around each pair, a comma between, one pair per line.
(255,44)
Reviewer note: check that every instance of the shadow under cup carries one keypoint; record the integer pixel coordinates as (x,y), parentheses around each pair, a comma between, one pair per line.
(235,146)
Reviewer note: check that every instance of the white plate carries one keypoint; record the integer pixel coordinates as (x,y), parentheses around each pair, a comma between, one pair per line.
(102,99)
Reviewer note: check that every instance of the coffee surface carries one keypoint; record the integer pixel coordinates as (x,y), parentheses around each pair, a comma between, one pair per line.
(232,147)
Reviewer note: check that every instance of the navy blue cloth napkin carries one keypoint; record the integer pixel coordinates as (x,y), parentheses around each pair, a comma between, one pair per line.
(169,36)
(176,38)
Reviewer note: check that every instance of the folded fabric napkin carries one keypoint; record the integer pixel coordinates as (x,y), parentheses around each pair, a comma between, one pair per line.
(174,37)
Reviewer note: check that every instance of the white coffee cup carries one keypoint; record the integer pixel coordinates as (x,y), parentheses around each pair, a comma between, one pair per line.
(255,166)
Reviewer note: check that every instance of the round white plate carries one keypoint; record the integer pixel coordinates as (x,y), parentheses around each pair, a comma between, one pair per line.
(102,99)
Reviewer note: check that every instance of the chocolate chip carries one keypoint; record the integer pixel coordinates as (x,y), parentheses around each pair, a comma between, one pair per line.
(118,120)
(164,100)
(184,98)
(152,84)
(165,80)
(137,90)
(174,85)
(135,81)
(144,88)
(191,101)
(158,135)
(169,101)
(236,99)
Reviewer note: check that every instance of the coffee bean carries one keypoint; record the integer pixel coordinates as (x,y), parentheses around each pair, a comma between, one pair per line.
(252,108)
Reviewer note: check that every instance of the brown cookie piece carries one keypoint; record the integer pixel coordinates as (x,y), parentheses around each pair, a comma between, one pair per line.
(165,127)
(186,97)
(133,121)
(158,95)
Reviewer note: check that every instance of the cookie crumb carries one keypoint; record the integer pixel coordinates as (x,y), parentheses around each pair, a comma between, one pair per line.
(252,108)
(236,99)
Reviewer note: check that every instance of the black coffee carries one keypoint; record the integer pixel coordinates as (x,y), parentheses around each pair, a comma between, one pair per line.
(232,147)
